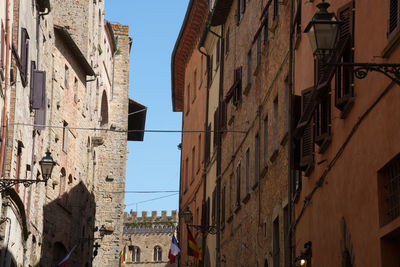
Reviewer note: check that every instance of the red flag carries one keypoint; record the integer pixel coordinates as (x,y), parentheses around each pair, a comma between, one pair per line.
(193,249)
(171,257)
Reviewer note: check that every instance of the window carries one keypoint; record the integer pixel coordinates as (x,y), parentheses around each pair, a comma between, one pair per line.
(389,191)
(227,35)
(307,139)
(256,159)
(199,153)
(208,143)
(237,86)
(344,76)
(393,23)
(76,90)
(188,99)
(276,9)
(249,71)
(223,205)
(286,235)
(240,10)
(275,127)
(231,199)
(157,253)
(258,49)
(247,171)
(104,109)
(266,141)
(186,173)
(193,161)
(238,183)
(266,29)
(135,254)
(65,137)
(3,43)
(276,247)
(218,52)
(66,76)
(214,206)
(194,83)
(24,56)
(322,119)
(286,93)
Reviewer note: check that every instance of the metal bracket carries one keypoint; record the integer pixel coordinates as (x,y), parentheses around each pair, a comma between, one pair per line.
(211,229)
(8,183)
(392,71)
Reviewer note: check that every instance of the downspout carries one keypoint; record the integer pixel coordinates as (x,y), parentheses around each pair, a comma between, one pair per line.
(6,81)
(219,147)
(291,245)
(204,241)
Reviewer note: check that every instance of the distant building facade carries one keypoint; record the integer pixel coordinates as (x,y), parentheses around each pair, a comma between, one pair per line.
(63,72)
(147,239)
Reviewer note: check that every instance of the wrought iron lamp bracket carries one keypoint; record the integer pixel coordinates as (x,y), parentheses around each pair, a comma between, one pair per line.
(361,70)
(8,183)
(211,229)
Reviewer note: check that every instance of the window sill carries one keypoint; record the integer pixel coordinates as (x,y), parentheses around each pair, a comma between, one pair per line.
(230,219)
(324,144)
(264,170)
(237,209)
(393,42)
(247,89)
(254,186)
(246,198)
(274,155)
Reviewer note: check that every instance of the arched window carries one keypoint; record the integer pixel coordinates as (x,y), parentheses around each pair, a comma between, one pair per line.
(104,109)
(157,253)
(135,253)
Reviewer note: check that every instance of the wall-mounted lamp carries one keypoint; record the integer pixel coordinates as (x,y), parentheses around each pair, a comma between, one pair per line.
(188,217)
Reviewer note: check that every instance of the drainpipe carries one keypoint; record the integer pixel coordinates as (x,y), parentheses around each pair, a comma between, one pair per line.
(219,147)
(6,81)
(291,245)
(204,241)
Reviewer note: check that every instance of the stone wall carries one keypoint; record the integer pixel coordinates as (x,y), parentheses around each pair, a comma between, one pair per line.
(145,233)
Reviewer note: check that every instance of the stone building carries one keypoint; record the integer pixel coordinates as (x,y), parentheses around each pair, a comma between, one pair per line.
(65,74)
(148,238)
(247,113)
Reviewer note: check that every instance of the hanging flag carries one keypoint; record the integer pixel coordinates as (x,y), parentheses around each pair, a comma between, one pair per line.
(64,262)
(193,249)
(124,255)
(173,250)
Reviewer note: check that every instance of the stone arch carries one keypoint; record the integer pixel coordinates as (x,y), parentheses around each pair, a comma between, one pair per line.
(104,109)
(19,210)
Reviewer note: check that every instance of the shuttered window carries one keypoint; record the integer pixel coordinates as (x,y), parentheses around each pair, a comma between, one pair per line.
(322,116)
(307,138)
(256,159)
(344,75)
(215,128)
(393,27)
(237,86)
(241,7)
(24,55)
(3,42)
(238,183)
(39,98)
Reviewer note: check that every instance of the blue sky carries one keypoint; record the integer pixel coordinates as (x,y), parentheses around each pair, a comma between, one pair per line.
(154,163)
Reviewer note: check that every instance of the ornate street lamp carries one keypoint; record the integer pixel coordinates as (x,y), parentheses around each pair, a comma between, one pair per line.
(47,163)
(188,217)
(323,32)
(304,259)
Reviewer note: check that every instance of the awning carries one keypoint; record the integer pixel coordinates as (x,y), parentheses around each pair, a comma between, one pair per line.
(136,120)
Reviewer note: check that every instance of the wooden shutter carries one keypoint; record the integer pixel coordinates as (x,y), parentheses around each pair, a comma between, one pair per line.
(3,42)
(237,95)
(38,89)
(393,16)
(215,127)
(344,75)
(33,67)
(207,143)
(295,119)
(307,138)
(24,56)
(322,118)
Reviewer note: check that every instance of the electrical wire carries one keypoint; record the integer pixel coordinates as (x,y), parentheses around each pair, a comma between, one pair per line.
(153,199)
(119,131)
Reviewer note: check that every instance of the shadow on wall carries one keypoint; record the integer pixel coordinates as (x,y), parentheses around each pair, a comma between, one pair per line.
(68,223)
(8,259)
